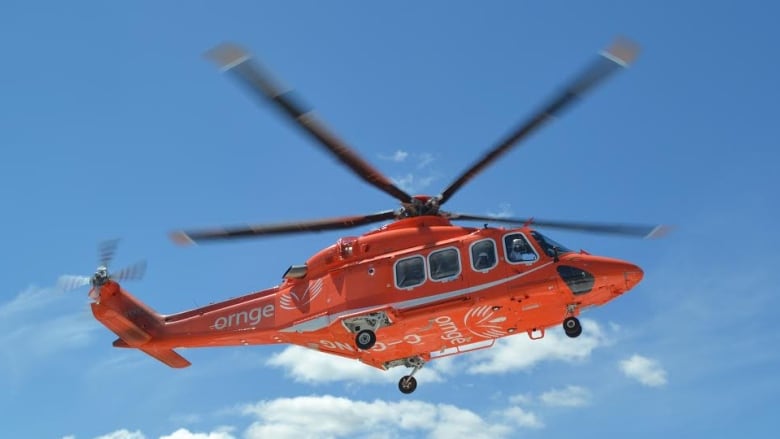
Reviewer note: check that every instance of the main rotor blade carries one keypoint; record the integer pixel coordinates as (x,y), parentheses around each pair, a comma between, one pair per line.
(192,237)
(620,55)
(233,58)
(635,230)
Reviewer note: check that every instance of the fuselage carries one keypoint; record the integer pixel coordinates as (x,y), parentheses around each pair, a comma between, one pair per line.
(444,288)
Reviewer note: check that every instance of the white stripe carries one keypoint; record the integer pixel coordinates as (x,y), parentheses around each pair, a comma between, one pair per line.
(324,321)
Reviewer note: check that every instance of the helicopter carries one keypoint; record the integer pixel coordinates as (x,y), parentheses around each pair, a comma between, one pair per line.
(417,288)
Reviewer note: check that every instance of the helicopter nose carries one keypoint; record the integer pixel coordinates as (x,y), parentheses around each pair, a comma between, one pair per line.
(633,275)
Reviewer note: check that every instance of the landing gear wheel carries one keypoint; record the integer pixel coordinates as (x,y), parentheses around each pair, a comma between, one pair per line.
(407,384)
(572,327)
(365,339)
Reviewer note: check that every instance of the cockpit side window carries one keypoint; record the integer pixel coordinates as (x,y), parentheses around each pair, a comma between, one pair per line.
(549,246)
(483,255)
(518,250)
(444,264)
(410,272)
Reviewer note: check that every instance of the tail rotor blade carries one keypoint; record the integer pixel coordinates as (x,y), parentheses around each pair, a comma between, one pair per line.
(106,251)
(133,272)
(70,282)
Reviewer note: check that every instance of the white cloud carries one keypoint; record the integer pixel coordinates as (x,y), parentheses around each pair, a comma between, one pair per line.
(123,434)
(521,353)
(183,433)
(329,416)
(571,396)
(522,418)
(645,370)
(456,422)
(332,417)
(312,366)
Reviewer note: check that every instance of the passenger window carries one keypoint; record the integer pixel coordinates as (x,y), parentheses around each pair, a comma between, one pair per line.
(518,249)
(444,263)
(410,272)
(483,255)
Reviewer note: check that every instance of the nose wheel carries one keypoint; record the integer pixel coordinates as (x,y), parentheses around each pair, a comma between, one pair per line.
(572,327)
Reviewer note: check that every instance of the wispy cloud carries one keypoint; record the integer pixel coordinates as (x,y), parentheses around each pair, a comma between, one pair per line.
(30,299)
(398,156)
(571,396)
(414,183)
(30,329)
(504,211)
(645,370)
(423,159)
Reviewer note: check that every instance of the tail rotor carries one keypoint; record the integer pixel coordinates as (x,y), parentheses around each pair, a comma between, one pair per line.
(106,252)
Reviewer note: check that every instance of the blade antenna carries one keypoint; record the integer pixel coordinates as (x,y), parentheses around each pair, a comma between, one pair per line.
(232,58)
(618,56)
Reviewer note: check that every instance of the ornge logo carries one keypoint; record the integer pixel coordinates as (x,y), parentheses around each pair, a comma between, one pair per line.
(252,317)
(295,299)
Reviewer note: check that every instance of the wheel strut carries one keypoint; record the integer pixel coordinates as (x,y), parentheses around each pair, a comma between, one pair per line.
(408,383)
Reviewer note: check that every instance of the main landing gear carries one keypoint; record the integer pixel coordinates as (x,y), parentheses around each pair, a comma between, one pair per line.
(364,327)
(572,327)
(365,339)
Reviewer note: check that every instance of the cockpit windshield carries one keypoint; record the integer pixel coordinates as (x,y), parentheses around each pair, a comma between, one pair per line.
(548,245)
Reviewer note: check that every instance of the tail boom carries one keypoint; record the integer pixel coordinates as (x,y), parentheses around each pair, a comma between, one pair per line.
(134,323)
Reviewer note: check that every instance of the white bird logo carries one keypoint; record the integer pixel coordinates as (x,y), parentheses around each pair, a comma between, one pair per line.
(481,321)
(293,300)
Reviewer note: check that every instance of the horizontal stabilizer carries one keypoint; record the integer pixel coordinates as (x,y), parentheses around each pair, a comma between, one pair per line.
(167,356)
(121,325)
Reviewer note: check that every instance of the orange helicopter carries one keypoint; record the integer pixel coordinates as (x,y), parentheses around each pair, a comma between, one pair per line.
(416,289)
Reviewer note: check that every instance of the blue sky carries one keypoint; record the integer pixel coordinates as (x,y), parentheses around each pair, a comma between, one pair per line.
(113,125)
